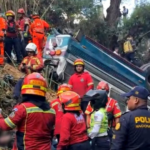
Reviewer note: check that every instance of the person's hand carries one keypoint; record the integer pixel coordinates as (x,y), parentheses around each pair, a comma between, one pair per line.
(25,35)
(28,67)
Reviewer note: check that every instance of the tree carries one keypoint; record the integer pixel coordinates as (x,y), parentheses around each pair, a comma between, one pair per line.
(113,12)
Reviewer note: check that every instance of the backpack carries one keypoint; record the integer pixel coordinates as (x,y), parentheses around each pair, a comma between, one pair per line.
(127,47)
(11,27)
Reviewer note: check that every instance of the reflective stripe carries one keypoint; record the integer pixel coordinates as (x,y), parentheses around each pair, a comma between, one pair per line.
(91,83)
(87,112)
(73,105)
(37,109)
(53,104)
(117,115)
(32,86)
(10,123)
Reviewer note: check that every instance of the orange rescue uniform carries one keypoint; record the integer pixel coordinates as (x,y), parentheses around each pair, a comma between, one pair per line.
(33,61)
(37,30)
(111,107)
(2,29)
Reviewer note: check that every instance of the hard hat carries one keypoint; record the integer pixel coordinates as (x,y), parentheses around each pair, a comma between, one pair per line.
(79,62)
(10,13)
(70,100)
(35,15)
(31,47)
(63,88)
(34,84)
(21,11)
(98,98)
(103,86)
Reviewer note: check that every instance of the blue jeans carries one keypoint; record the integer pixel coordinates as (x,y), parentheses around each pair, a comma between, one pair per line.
(11,43)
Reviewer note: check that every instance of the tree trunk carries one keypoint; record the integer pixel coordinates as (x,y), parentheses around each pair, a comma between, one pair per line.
(113,12)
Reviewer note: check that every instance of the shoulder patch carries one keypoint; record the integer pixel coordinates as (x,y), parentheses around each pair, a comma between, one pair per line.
(118,125)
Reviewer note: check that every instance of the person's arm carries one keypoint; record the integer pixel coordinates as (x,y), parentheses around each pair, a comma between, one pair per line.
(97,124)
(90,84)
(116,112)
(120,134)
(22,65)
(17,115)
(70,82)
(46,25)
(64,133)
(38,66)
(88,112)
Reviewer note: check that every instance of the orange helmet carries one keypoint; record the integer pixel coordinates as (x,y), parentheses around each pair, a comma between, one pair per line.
(34,84)
(10,13)
(103,86)
(79,62)
(63,88)
(71,100)
(21,11)
(35,15)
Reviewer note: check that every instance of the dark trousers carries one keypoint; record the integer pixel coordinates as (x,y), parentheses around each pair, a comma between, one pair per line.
(80,146)
(101,143)
(130,56)
(22,47)
(9,44)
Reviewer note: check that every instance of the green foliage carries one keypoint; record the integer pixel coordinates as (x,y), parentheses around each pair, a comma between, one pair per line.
(139,22)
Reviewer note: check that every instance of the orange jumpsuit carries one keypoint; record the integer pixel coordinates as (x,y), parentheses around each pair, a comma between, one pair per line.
(2,29)
(37,30)
(33,61)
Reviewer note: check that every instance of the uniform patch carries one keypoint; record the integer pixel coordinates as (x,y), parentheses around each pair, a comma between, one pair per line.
(118,125)
(82,80)
(12,114)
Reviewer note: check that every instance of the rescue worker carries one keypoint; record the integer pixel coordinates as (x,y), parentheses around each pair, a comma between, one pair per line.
(56,105)
(2,32)
(24,23)
(99,120)
(12,36)
(73,134)
(112,109)
(31,63)
(33,117)
(133,130)
(81,81)
(37,31)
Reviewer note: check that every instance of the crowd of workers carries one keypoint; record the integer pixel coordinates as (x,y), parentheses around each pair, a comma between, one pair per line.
(16,34)
(81,117)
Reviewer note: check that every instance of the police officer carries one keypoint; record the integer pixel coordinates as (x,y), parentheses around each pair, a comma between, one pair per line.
(133,131)
(99,120)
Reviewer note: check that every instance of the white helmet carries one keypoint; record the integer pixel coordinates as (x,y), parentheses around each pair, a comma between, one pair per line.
(31,47)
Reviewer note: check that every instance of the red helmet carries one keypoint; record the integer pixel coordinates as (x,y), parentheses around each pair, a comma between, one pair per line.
(10,13)
(35,15)
(71,100)
(34,84)
(21,11)
(63,88)
(103,86)
(79,62)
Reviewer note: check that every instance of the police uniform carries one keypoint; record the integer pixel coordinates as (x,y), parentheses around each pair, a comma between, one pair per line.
(133,131)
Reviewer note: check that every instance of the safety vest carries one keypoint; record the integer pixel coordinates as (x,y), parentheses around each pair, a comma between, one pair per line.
(127,47)
(104,123)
